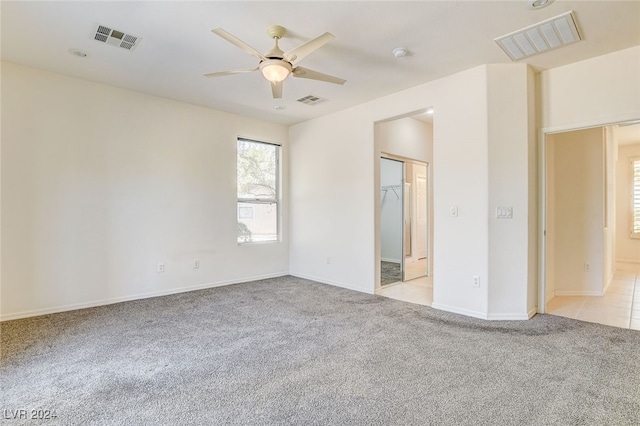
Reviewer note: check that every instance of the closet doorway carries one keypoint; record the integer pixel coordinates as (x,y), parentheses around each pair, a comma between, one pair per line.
(404,206)
(404,247)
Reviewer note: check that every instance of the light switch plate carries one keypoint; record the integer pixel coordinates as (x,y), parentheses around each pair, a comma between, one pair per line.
(504,212)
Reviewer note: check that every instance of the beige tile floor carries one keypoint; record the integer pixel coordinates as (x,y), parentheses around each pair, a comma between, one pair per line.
(419,291)
(619,307)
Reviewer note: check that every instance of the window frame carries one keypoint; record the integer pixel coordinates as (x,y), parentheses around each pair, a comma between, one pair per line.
(276,200)
(632,207)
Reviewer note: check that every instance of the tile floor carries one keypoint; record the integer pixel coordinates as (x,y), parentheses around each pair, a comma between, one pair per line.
(619,307)
(419,291)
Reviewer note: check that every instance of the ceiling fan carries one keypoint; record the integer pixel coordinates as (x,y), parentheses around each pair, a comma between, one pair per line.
(276,65)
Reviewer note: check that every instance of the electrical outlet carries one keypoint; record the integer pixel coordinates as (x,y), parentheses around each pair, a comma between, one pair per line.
(328,260)
(196,264)
(454,211)
(587,267)
(476,281)
(160,267)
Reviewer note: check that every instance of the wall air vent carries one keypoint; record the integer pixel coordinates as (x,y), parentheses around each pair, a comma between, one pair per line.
(312,100)
(116,38)
(541,37)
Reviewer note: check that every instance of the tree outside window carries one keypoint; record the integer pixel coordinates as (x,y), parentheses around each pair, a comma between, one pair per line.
(258,191)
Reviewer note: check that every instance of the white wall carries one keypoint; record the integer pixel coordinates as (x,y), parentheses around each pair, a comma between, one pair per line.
(343,143)
(512,177)
(100,184)
(391,218)
(600,90)
(627,249)
(579,211)
(406,137)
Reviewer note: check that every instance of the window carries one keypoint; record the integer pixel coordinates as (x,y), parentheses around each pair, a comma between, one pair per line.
(258,191)
(245,212)
(635,197)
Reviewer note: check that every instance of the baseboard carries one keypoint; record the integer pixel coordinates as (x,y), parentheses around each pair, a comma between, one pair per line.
(623,260)
(110,301)
(391,260)
(532,312)
(329,282)
(579,293)
(481,315)
(461,311)
(511,316)
(550,295)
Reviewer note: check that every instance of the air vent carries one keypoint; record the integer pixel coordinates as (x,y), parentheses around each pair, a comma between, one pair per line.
(541,37)
(116,38)
(312,100)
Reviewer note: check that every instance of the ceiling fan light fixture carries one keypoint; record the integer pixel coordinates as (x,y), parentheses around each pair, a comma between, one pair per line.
(275,70)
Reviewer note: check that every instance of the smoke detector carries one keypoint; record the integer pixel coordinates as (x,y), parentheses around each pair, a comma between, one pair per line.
(538,4)
(400,52)
(116,38)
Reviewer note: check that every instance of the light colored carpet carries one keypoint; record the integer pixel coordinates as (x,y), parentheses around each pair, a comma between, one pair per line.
(291,351)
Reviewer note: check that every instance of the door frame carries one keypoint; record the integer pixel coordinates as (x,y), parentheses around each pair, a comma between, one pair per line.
(401,193)
(542,193)
(405,160)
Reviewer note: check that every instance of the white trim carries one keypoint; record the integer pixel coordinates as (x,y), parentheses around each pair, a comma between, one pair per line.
(550,296)
(542,221)
(580,293)
(624,260)
(330,282)
(110,301)
(601,122)
(461,311)
(511,317)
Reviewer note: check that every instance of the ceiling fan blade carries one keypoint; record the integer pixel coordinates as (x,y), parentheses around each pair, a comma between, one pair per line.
(221,73)
(315,75)
(276,90)
(296,54)
(238,43)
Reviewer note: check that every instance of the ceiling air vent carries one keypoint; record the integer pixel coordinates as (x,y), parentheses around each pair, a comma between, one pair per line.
(312,100)
(541,37)
(116,38)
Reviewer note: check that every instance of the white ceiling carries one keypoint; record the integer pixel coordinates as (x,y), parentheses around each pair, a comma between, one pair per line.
(177,47)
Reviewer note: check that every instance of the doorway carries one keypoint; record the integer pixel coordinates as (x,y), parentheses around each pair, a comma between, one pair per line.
(591,258)
(404,220)
(404,208)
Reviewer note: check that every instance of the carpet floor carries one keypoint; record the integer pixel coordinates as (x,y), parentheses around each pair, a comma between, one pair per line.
(292,351)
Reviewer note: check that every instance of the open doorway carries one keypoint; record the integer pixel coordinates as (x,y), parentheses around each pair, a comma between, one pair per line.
(404,220)
(404,208)
(591,215)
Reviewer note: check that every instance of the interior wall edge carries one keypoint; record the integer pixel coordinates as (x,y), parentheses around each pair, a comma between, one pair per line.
(331,282)
(141,296)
